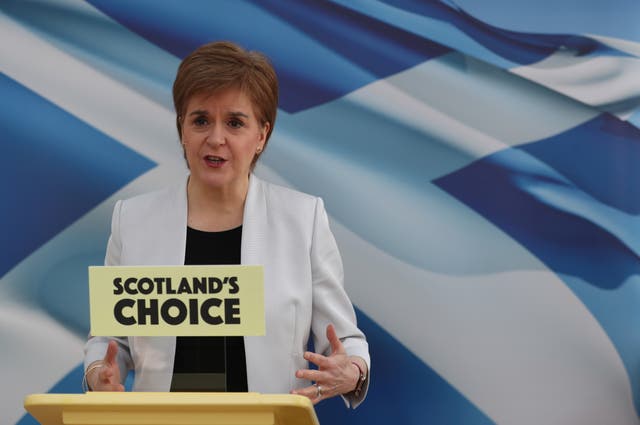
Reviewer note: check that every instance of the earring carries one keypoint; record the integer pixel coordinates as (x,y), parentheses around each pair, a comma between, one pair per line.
(258,150)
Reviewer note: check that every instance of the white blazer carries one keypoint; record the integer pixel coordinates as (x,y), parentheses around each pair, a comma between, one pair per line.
(284,230)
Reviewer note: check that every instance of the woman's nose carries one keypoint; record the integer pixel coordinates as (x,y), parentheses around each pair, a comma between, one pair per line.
(216,136)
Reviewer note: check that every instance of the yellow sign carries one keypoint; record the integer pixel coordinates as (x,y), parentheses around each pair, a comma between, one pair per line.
(177,300)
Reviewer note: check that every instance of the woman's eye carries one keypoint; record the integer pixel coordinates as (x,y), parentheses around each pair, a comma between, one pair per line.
(200,121)
(235,123)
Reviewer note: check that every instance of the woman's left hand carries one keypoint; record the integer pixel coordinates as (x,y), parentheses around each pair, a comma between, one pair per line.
(336,373)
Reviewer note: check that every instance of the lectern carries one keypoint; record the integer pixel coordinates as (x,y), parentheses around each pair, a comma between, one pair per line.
(137,408)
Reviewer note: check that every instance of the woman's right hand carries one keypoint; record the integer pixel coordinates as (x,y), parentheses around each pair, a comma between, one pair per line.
(104,375)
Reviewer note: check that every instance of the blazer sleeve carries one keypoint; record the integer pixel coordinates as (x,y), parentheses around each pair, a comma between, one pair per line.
(331,304)
(96,346)
(114,245)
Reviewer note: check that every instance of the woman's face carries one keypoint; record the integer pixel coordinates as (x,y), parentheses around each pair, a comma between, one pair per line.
(221,135)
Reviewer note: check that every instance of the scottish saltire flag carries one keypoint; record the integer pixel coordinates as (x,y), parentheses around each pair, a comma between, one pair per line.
(479,161)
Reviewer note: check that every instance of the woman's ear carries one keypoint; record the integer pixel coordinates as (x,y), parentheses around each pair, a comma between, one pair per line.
(263,133)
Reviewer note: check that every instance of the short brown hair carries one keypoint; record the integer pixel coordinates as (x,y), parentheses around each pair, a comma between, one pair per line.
(220,65)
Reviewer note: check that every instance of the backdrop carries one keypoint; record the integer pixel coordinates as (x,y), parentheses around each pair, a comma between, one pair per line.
(479,160)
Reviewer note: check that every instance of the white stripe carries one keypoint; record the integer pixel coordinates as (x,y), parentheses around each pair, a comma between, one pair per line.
(627,46)
(607,82)
(471,106)
(93,97)
(518,344)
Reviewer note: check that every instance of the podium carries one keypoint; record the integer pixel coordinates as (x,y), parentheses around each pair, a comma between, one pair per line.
(138,408)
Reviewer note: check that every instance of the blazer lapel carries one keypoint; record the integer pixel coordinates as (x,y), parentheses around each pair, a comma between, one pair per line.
(254,224)
(173,222)
(253,251)
(164,247)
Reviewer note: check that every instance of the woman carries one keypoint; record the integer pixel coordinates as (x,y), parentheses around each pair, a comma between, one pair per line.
(226,102)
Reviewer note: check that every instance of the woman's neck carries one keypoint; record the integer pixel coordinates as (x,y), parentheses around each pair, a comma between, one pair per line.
(215,209)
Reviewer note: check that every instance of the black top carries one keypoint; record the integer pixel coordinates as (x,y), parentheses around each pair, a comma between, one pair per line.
(211,363)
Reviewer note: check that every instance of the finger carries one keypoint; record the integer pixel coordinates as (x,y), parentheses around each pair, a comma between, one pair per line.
(336,344)
(311,392)
(105,375)
(112,387)
(317,359)
(112,352)
(309,374)
(106,381)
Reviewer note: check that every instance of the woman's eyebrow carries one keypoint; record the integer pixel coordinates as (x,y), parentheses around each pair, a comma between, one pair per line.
(233,114)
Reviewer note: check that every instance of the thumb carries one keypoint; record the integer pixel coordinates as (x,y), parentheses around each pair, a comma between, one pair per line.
(336,344)
(112,352)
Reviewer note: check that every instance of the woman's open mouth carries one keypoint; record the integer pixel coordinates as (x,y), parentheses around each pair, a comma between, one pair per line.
(214,161)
